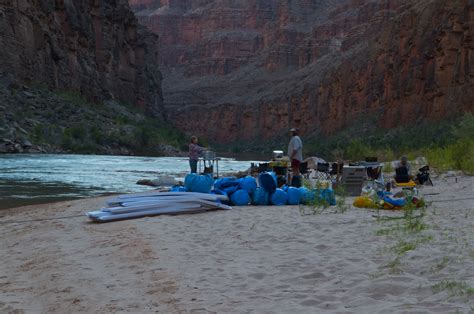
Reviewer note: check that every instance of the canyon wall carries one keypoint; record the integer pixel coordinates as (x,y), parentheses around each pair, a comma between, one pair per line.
(252,68)
(96,48)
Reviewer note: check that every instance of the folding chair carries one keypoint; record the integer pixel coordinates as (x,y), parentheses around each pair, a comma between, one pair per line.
(304,170)
(424,175)
(322,171)
(336,171)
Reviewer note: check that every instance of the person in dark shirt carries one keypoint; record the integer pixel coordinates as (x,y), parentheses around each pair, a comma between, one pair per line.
(403,171)
(194,152)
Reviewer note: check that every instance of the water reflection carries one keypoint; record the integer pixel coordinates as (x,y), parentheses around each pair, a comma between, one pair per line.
(26,179)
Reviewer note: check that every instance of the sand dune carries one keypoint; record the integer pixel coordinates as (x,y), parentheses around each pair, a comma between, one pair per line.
(249,259)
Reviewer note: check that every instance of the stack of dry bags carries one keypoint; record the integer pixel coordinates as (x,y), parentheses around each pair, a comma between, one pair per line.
(291,195)
(245,191)
(240,191)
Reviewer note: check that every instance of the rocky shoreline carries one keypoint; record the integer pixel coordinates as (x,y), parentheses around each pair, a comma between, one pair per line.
(35,119)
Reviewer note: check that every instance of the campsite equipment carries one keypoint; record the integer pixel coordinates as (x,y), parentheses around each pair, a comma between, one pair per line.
(280,167)
(209,160)
(227,185)
(409,184)
(323,184)
(394,202)
(424,175)
(223,183)
(353,179)
(322,171)
(178,188)
(198,183)
(240,198)
(208,155)
(248,184)
(279,197)
(262,167)
(157,203)
(277,154)
(260,197)
(328,196)
(294,195)
(307,196)
(364,202)
(336,171)
(296,181)
(304,171)
(268,181)
(371,159)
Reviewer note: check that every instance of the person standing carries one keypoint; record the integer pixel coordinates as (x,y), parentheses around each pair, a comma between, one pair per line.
(295,152)
(194,152)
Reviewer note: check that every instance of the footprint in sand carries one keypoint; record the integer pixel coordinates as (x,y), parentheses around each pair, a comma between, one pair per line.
(311,302)
(258,276)
(315,275)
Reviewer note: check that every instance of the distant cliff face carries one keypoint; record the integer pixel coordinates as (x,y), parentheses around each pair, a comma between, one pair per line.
(94,47)
(253,68)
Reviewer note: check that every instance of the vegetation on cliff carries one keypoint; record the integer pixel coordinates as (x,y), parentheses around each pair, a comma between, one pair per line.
(36,119)
(447,144)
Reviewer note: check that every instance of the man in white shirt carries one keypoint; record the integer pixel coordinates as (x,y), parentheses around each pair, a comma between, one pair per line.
(295,153)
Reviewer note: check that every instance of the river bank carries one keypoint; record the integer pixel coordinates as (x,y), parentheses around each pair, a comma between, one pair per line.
(40,178)
(262,259)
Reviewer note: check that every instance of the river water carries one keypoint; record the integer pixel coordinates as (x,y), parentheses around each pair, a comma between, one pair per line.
(38,178)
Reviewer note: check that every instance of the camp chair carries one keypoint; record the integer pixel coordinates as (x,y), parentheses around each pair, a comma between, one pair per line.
(322,171)
(373,173)
(304,169)
(336,170)
(262,167)
(424,175)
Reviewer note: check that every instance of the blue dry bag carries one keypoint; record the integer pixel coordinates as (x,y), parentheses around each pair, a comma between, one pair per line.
(268,181)
(240,198)
(279,197)
(260,197)
(198,183)
(248,184)
(294,195)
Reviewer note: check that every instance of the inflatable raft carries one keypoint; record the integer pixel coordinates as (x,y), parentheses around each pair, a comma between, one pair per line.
(138,205)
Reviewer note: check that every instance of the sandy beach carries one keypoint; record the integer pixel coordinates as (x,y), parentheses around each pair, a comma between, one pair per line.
(249,259)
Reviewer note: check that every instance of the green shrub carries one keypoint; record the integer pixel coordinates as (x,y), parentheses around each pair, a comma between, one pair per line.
(38,133)
(357,150)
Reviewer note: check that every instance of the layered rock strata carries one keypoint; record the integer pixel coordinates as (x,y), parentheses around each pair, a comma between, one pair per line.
(252,68)
(94,47)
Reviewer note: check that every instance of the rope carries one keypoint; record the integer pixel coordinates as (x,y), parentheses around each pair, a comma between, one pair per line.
(452,199)
(40,219)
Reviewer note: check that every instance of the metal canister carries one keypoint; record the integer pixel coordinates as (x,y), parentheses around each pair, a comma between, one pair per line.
(208,155)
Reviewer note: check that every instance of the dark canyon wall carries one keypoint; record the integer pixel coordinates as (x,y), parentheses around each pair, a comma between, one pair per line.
(252,68)
(94,47)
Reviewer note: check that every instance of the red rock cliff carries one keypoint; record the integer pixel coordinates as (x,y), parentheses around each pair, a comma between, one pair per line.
(95,47)
(252,68)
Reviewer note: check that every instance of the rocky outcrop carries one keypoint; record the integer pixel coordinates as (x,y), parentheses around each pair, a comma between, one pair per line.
(252,68)
(94,47)
(38,120)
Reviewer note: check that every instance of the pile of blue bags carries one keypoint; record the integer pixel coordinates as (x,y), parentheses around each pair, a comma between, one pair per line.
(245,191)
